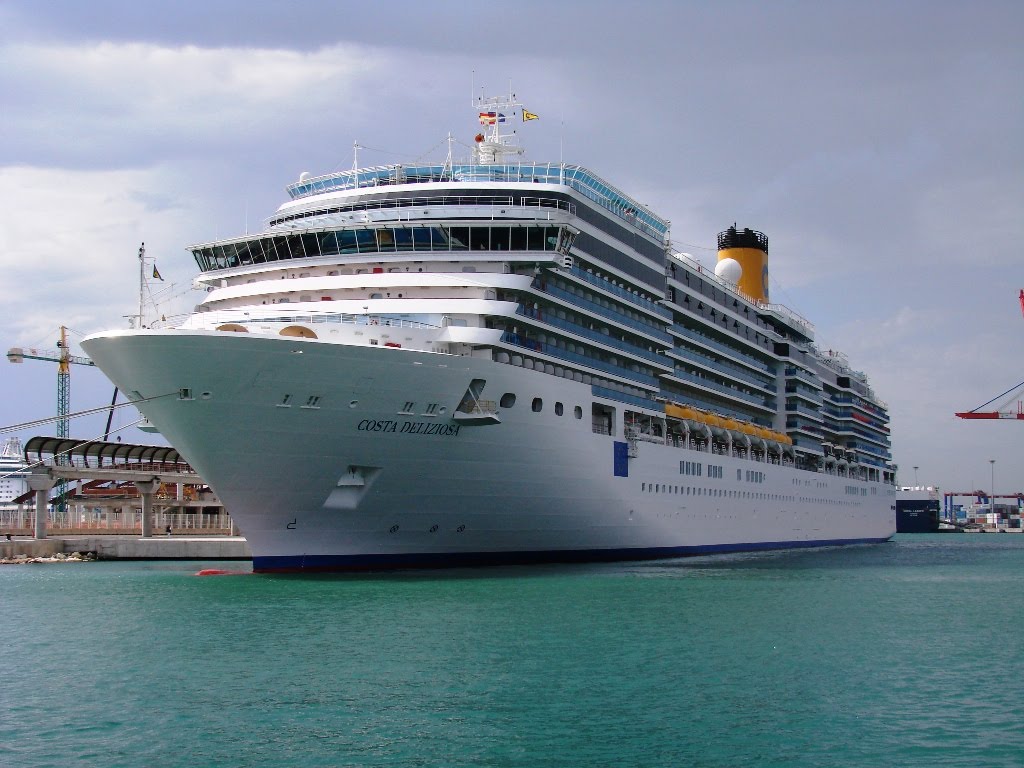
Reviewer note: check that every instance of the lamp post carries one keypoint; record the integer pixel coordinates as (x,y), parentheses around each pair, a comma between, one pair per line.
(992,498)
(916,485)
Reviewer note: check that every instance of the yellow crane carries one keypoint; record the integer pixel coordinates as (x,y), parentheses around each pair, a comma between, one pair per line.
(64,359)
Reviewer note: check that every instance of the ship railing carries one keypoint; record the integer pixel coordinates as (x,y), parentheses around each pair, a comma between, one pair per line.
(685,375)
(581,301)
(562,174)
(595,336)
(793,372)
(605,285)
(805,325)
(709,342)
(496,203)
(625,397)
(587,362)
(718,365)
(216,317)
(169,322)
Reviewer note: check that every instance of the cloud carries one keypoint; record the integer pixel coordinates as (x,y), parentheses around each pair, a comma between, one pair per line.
(119,103)
(68,245)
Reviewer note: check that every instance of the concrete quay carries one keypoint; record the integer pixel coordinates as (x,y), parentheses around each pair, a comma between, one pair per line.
(131,547)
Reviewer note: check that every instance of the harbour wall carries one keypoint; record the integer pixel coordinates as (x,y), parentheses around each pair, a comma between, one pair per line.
(132,548)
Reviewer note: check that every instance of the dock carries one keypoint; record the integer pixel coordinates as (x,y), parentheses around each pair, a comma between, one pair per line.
(121,547)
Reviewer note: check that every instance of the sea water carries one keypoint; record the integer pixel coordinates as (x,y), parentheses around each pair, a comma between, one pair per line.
(901,654)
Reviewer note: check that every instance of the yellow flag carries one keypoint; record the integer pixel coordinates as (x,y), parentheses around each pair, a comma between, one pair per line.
(527,115)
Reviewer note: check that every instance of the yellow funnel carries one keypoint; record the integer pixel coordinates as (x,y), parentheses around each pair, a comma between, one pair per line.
(750,250)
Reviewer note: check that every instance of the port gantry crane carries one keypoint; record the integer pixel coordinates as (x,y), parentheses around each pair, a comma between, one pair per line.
(64,359)
(1003,410)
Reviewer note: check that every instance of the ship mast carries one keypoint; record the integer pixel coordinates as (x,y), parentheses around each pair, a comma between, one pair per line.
(491,144)
(142,281)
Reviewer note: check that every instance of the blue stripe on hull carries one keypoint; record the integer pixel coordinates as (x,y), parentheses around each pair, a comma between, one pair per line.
(387,562)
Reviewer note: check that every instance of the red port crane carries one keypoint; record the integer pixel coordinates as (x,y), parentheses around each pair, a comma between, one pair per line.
(1003,410)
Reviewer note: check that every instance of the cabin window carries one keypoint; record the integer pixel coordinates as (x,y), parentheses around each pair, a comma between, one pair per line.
(347,241)
(500,239)
(366,240)
(538,405)
(403,239)
(458,237)
(386,239)
(480,238)
(439,239)
(508,400)
(328,243)
(421,239)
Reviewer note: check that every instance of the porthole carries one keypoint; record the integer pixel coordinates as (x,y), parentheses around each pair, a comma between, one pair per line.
(578,412)
(558,409)
(508,400)
(538,405)
(353,403)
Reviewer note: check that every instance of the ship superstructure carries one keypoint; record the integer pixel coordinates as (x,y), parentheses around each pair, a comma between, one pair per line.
(14,473)
(503,361)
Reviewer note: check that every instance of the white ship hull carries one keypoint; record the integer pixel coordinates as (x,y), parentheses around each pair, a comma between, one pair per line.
(311,448)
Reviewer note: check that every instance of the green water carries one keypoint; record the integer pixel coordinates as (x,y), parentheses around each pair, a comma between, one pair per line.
(902,654)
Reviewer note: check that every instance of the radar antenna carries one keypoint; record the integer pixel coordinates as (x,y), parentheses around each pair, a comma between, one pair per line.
(491,144)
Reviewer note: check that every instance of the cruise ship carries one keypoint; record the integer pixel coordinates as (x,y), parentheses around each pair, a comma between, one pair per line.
(14,474)
(496,361)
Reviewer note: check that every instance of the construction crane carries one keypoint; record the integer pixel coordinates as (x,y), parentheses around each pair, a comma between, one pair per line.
(1004,409)
(64,359)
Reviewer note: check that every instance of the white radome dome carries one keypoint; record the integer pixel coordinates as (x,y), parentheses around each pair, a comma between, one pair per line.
(729,270)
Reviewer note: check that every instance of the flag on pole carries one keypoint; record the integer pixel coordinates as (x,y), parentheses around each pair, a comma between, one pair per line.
(528,115)
(156,275)
(490,118)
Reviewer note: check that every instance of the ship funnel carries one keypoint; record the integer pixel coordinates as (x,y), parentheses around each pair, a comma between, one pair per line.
(750,250)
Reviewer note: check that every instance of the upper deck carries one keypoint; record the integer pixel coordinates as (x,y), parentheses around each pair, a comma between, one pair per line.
(575,177)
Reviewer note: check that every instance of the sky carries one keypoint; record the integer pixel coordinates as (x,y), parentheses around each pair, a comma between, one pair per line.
(879,145)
